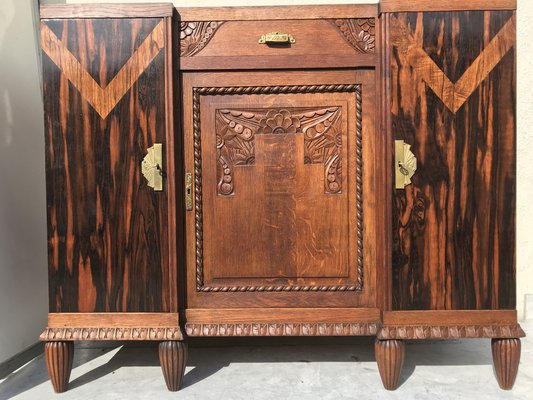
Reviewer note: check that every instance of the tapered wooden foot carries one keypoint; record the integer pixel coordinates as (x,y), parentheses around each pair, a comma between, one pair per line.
(58,356)
(389,356)
(506,357)
(173,358)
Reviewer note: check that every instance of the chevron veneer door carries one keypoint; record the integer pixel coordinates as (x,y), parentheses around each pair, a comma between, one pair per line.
(453,95)
(106,102)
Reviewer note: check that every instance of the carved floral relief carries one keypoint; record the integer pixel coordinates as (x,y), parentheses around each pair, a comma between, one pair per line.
(194,36)
(358,32)
(236,130)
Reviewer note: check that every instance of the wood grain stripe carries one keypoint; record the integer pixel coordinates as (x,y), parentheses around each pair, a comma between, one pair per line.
(453,95)
(103,99)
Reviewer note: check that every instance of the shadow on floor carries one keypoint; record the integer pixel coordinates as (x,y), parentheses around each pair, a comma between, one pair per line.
(208,356)
(34,373)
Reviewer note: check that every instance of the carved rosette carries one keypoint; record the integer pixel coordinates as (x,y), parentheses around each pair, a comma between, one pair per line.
(194,36)
(236,131)
(358,32)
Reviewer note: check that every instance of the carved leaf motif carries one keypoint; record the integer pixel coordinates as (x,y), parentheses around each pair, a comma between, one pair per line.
(236,129)
(323,144)
(194,36)
(358,32)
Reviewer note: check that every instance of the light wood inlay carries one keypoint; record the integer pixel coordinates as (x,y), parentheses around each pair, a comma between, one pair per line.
(103,99)
(453,95)
(282,315)
(446,317)
(124,320)
(147,10)
(391,6)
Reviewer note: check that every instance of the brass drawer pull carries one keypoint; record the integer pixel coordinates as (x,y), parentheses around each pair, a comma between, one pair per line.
(277,38)
(405,164)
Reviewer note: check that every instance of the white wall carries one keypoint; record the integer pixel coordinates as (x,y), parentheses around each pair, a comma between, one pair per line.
(525,155)
(23,259)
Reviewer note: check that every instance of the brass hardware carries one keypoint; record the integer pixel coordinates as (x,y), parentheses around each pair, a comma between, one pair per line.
(276,38)
(151,167)
(405,164)
(188,191)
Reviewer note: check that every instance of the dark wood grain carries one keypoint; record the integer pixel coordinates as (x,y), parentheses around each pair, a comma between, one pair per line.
(454,227)
(173,359)
(506,357)
(58,357)
(107,230)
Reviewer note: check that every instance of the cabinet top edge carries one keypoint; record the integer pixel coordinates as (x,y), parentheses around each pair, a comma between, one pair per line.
(278,12)
(107,10)
(392,6)
(150,10)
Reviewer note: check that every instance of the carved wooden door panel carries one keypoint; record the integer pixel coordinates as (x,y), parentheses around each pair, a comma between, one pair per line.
(277,168)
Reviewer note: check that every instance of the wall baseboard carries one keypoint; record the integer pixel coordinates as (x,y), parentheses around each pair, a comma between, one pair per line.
(19,359)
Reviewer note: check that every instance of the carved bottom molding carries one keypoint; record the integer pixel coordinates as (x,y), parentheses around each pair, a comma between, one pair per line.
(115,333)
(451,332)
(285,329)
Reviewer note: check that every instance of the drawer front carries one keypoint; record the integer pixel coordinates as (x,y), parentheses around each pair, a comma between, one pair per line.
(277,166)
(314,43)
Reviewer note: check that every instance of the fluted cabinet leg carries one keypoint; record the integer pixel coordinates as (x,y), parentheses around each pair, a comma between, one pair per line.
(389,356)
(58,356)
(506,357)
(173,359)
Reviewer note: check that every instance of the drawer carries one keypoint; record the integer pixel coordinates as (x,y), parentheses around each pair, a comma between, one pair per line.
(317,43)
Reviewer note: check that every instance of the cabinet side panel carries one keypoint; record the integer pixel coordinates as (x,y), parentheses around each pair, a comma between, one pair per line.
(104,100)
(453,101)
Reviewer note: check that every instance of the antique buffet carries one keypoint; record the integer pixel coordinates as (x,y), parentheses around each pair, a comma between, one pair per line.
(334,170)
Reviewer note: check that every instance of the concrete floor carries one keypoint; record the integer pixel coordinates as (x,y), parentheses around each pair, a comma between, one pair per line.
(279,368)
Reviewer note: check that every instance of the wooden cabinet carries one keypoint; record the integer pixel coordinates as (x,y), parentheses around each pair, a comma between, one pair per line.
(271,208)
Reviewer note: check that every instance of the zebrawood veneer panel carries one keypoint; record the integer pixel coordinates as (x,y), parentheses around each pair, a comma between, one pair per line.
(453,96)
(104,90)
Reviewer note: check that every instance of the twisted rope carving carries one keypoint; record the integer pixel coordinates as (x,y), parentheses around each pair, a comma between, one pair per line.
(198,216)
(359,184)
(237,90)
